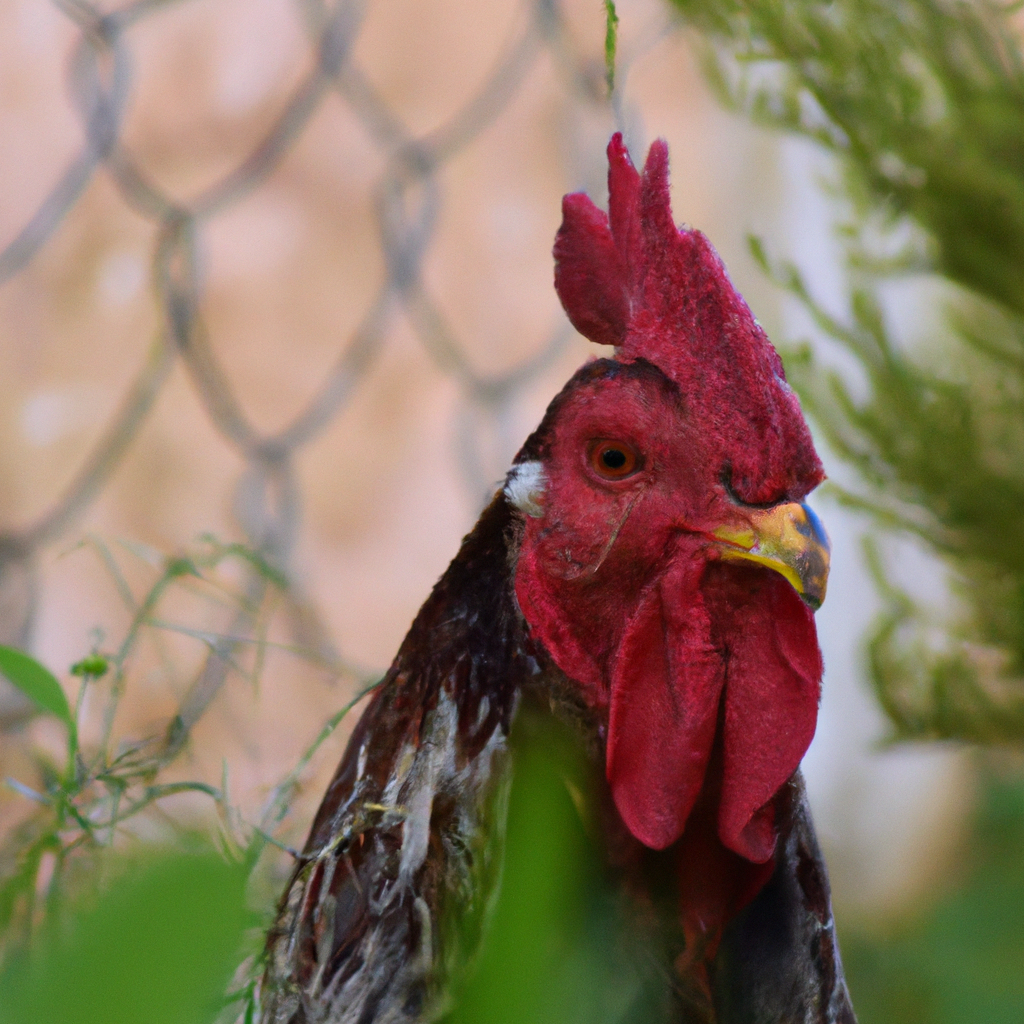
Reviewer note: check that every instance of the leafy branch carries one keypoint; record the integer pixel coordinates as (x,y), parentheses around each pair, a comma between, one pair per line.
(85,808)
(921,102)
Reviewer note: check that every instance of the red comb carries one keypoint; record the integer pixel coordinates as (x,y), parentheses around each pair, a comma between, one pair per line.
(632,279)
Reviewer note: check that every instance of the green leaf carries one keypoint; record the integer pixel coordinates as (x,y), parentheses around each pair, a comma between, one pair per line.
(157,947)
(554,949)
(35,681)
(611,41)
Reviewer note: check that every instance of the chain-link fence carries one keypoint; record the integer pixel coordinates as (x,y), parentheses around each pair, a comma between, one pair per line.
(520,87)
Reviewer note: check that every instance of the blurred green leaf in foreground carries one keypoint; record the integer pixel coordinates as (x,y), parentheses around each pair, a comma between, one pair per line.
(551,953)
(922,104)
(555,950)
(158,946)
(111,908)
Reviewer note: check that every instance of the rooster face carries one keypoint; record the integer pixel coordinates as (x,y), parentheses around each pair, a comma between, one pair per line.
(666,562)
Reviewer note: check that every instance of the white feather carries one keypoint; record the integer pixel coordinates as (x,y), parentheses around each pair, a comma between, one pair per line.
(524,488)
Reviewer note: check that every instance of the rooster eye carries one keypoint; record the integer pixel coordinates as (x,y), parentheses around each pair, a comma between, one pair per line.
(613,459)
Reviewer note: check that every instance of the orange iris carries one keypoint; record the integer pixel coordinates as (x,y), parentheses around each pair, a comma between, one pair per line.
(613,459)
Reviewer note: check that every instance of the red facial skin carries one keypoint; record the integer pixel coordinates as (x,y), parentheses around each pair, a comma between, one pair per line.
(709,672)
(622,582)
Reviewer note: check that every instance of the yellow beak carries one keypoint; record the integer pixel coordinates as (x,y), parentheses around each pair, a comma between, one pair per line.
(787,538)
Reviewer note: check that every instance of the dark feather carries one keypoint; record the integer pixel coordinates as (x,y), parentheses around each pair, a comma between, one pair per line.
(389,900)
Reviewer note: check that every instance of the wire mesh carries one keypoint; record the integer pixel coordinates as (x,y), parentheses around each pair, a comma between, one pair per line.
(102,71)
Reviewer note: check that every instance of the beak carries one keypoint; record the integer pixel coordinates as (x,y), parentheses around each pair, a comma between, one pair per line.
(787,538)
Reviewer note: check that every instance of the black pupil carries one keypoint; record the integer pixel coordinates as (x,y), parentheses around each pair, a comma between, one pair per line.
(613,458)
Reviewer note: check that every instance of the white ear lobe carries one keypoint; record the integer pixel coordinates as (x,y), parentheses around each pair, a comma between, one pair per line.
(524,488)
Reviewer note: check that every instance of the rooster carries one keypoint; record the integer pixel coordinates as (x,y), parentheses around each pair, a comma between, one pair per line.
(647,576)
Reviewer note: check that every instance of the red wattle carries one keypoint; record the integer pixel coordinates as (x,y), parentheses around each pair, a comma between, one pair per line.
(724,651)
(666,682)
(771,702)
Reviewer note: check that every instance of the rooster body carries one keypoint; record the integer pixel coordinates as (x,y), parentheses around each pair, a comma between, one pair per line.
(644,577)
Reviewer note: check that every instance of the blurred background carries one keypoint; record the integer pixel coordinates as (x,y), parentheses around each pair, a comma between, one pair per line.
(278,274)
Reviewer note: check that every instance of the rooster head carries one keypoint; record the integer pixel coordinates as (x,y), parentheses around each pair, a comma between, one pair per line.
(667,562)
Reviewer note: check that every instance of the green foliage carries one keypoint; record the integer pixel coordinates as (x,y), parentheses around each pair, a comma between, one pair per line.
(923,100)
(35,682)
(158,946)
(94,666)
(922,103)
(92,929)
(611,42)
(553,952)
(960,961)
(546,886)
